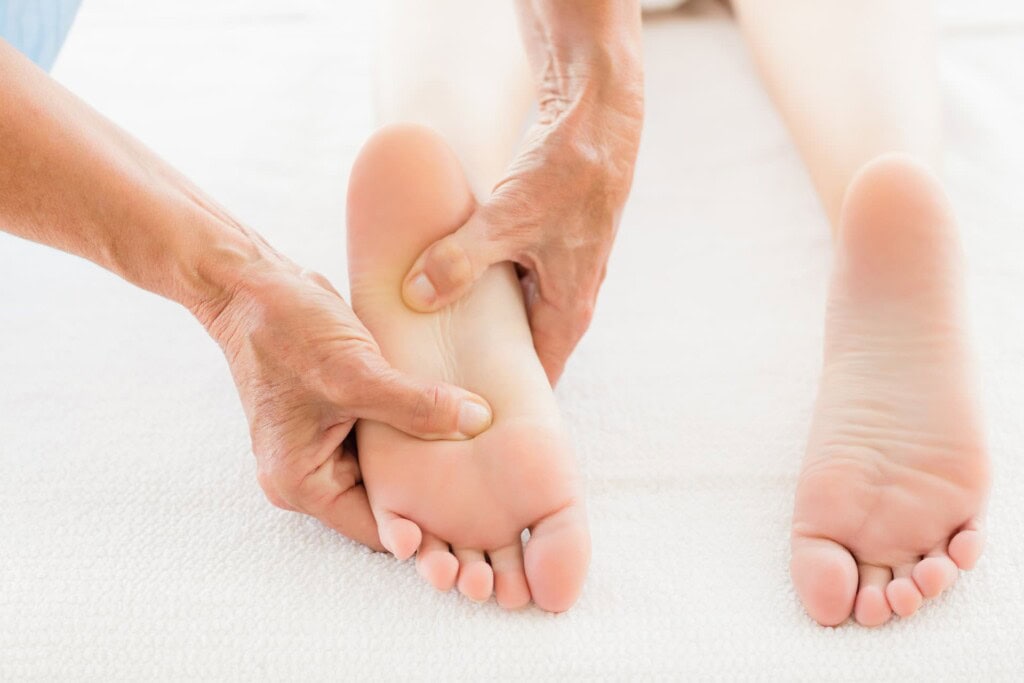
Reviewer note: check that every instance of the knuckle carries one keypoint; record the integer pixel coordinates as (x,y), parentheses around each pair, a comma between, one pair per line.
(430,411)
(319,280)
(271,489)
(450,265)
(361,381)
(423,410)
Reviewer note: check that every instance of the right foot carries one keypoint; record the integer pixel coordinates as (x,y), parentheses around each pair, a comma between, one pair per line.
(896,473)
(460,505)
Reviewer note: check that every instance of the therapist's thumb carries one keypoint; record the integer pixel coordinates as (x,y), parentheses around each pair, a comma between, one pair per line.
(447,269)
(421,408)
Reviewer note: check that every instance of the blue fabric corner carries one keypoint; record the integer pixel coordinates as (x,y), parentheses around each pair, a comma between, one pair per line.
(37,28)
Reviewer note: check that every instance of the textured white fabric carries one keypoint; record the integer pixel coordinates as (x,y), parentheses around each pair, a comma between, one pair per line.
(134,541)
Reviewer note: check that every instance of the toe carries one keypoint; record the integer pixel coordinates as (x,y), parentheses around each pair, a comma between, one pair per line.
(436,564)
(902,593)
(871,607)
(399,535)
(825,577)
(510,587)
(935,573)
(556,558)
(966,546)
(475,580)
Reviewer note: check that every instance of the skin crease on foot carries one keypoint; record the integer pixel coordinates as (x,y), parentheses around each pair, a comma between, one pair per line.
(896,476)
(460,506)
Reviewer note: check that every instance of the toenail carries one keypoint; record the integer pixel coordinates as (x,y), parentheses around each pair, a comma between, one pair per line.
(420,291)
(473,418)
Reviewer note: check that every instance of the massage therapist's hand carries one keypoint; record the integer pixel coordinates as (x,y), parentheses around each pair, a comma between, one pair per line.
(306,368)
(556,211)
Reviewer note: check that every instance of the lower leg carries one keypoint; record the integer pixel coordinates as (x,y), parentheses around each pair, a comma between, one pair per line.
(852,81)
(458,67)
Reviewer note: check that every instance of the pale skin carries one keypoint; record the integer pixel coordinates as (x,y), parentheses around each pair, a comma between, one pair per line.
(406,190)
(896,473)
(553,213)
(890,502)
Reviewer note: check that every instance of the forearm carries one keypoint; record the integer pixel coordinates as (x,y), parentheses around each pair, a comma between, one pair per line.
(71,179)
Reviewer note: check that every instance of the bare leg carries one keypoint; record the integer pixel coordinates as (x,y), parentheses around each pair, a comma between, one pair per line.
(896,474)
(459,67)
(853,80)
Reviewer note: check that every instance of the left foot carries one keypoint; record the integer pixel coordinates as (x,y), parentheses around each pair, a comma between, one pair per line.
(896,473)
(406,191)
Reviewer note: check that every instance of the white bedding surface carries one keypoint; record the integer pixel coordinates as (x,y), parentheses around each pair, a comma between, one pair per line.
(134,541)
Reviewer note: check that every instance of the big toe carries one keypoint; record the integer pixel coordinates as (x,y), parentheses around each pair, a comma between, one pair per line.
(825,577)
(556,558)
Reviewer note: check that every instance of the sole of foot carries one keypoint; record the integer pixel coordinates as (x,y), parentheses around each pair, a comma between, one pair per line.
(460,506)
(896,476)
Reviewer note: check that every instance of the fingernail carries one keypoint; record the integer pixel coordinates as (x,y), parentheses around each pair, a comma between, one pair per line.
(473,418)
(420,291)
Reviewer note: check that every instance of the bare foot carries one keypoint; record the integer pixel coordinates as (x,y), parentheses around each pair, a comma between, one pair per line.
(406,191)
(896,473)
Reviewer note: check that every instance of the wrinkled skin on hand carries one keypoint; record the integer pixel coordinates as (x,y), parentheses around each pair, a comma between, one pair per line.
(556,212)
(306,368)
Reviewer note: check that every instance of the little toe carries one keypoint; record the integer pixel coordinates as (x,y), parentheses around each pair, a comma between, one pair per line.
(825,577)
(902,593)
(475,580)
(966,546)
(510,588)
(871,607)
(399,535)
(436,564)
(556,558)
(934,574)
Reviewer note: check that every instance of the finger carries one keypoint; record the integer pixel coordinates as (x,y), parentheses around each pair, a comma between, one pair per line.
(426,410)
(447,269)
(556,331)
(334,494)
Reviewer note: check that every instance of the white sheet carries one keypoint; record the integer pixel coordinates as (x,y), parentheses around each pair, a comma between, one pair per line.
(134,541)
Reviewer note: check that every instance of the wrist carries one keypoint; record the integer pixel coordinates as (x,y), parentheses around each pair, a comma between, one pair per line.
(584,51)
(222,260)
